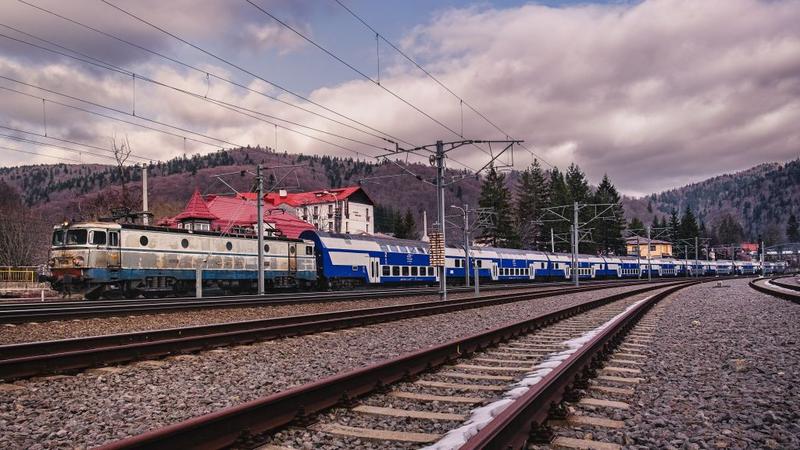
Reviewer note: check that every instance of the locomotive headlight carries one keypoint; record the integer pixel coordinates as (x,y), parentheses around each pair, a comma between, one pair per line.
(78,260)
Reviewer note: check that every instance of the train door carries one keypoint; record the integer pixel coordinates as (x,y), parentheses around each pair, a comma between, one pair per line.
(373,270)
(292,258)
(114,250)
(495,271)
(532,270)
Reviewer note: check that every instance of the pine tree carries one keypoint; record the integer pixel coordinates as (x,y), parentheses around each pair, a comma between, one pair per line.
(496,196)
(608,234)
(405,227)
(729,230)
(578,190)
(792,229)
(636,226)
(532,196)
(559,196)
(689,228)
(674,225)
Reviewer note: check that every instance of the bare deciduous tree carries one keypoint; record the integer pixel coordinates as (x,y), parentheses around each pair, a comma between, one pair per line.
(20,232)
(122,151)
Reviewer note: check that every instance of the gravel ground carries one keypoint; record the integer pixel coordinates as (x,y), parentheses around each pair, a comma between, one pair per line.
(45,331)
(722,373)
(726,373)
(94,407)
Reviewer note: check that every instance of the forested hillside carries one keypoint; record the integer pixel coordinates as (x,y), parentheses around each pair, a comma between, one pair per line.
(728,208)
(734,207)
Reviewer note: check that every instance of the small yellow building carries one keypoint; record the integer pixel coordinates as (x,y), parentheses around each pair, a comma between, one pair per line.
(638,246)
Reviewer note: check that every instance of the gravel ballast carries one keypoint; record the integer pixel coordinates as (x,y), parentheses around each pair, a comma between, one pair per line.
(47,331)
(723,373)
(95,407)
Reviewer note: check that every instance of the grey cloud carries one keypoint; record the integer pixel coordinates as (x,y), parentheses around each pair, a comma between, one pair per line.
(655,94)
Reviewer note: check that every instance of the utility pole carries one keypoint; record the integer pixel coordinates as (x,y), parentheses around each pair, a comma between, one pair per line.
(439,159)
(575,244)
(467,259)
(638,257)
(649,265)
(696,259)
(260,228)
(686,258)
(467,265)
(145,216)
(552,242)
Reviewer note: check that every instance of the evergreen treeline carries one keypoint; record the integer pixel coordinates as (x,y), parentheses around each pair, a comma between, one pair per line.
(390,221)
(521,219)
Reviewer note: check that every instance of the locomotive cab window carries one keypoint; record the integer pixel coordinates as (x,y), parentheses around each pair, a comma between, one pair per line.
(113,238)
(58,237)
(76,237)
(97,237)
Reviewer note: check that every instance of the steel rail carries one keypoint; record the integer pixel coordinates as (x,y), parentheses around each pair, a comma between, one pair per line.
(43,357)
(760,285)
(513,427)
(776,281)
(223,428)
(41,312)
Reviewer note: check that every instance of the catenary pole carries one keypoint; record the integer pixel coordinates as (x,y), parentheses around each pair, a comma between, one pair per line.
(467,263)
(575,244)
(649,256)
(439,157)
(260,229)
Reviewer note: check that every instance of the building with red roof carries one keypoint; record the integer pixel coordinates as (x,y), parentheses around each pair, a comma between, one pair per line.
(343,210)
(236,215)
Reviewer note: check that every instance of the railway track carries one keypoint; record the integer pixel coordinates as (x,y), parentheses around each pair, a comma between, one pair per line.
(46,357)
(14,313)
(530,365)
(777,289)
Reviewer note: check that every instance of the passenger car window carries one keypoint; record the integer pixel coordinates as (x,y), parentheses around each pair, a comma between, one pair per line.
(396,271)
(414,271)
(385,271)
(405,271)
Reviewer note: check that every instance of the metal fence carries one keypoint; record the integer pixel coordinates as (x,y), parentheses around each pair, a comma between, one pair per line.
(18,274)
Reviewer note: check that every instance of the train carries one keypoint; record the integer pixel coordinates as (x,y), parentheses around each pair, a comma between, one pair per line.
(121,260)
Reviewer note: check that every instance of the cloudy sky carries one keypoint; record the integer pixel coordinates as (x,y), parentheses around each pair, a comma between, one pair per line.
(655,93)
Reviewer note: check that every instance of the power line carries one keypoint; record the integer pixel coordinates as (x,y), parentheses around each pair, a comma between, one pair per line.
(118,111)
(39,154)
(30,141)
(210,74)
(236,66)
(230,106)
(393,140)
(354,69)
(17,130)
(434,78)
